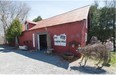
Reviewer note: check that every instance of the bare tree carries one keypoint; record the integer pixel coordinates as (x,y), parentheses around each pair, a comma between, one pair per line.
(9,10)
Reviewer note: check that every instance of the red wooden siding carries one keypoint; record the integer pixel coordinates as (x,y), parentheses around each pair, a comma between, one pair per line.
(72,24)
(74,31)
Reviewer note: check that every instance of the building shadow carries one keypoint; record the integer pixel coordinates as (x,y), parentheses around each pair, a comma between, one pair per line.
(89,70)
(39,55)
(48,58)
(6,48)
(4,51)
(51,59)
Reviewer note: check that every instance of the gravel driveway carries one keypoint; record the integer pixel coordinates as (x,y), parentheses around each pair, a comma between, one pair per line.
(14,61)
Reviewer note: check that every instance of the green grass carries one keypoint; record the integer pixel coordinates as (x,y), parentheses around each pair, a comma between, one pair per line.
(113,58)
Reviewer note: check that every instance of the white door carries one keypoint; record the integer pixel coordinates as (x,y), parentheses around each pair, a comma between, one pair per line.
(38,42)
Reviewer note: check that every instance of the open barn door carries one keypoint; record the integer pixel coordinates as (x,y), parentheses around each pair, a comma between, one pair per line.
(44,41)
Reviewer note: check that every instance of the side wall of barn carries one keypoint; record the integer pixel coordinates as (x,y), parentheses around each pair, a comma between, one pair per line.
(73,31)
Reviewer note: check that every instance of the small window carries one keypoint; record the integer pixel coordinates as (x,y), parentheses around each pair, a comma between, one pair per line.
(24,42)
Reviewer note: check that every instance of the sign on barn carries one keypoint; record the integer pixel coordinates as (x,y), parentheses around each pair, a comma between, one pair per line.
(60,40)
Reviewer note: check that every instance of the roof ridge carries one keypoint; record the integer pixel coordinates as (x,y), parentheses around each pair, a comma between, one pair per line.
(67,17)
(29,21)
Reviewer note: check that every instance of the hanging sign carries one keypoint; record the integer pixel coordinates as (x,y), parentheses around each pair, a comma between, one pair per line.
(60,40)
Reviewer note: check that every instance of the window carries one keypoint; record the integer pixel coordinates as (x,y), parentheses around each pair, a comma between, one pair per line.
(24,42)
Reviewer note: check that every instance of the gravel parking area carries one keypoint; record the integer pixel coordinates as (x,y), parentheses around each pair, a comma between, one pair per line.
(14,61)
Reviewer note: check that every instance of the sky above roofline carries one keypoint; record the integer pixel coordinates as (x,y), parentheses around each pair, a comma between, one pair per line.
(50,8)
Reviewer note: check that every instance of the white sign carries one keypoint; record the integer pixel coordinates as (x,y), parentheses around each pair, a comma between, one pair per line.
(60,40)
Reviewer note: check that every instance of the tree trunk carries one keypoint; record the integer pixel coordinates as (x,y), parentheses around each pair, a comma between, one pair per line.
(16,41)
(5,41)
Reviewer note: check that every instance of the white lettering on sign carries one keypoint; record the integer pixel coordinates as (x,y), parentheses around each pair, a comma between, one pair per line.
(60,40)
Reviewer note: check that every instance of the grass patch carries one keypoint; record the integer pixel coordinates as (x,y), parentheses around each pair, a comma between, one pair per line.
(113,58)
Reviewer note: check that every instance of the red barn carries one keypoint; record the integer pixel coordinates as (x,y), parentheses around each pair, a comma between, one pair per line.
(56,32)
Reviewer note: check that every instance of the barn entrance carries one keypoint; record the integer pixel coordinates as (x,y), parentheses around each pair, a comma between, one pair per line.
(43,41)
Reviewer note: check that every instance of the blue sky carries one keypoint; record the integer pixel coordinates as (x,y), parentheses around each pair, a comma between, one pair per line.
(49,8)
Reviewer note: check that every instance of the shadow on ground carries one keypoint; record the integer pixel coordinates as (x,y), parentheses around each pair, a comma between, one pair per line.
(51,59)
(89,70)
(38,55)
(5,48)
